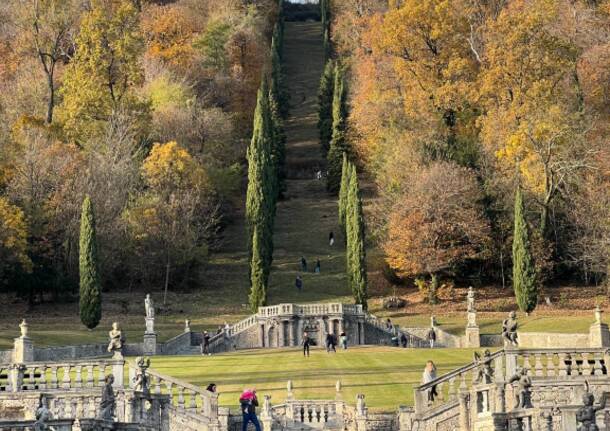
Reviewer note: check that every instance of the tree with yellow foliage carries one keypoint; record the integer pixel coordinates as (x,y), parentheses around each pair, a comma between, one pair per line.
(13,240)
(172,220)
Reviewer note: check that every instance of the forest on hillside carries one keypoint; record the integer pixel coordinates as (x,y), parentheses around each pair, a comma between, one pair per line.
(144,106)
(454,106)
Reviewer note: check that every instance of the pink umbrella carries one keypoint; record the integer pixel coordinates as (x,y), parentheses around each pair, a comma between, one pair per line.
(248,394)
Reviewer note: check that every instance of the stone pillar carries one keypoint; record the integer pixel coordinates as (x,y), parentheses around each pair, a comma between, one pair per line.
(341,328)
(23,349)
(321,332)
(473,336)
(291,329)
(266,414)
(281,338)
(599,336)
(361,332)
(118,368)
(261,335)
(299,328)
(463,409)
(500,404)
(150,344)
(15,374)
(511,362)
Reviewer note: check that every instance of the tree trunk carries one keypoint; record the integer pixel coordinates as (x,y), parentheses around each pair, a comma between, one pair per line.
(51,104)
(167,268)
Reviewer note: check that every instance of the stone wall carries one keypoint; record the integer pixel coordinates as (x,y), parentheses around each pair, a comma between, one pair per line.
(542,340)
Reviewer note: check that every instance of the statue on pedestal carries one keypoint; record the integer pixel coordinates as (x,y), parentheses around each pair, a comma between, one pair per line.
(149,307)
(141,379)
(116,340)
(470,298)
(108,403)
(523,396)
(598,314)
(484,371)
(23,326)
(509,329)
(585,416)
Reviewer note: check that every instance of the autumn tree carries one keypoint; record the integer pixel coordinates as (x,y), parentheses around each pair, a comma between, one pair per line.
(13,241)
(437,224)
(105,70)
(344,191)
(172,221)
(524,272)
(90,301)
(47,33)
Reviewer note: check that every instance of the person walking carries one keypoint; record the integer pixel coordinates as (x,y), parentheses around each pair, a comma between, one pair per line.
(317,268)
(299,283)
(303,264)
(331,238)
(403,340)
(432,337)
(249,402)
(428,376)
(211,388)
(205,344)
(343,340)
(306,343)
(330,343)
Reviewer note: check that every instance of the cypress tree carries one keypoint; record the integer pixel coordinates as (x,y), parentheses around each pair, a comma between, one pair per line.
(343,191)
(524,271)
(356,253)
(90,302)
(258,273)
(338,143)
(325,106)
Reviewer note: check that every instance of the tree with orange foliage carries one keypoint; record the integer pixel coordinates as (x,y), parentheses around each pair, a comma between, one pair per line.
(438,223)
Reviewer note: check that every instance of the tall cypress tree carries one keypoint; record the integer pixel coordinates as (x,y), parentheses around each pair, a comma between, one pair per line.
(338,143)
(90,302)
(326,19)
(259,273)
(524,271)
(325,106)
(343,191)
(356,253)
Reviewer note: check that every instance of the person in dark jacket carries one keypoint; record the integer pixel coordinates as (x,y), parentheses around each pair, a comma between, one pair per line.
(205,343)
(306,344)
(330,343)
(303,264)
(432,337)
(403,340)
(299,283)
(249,402)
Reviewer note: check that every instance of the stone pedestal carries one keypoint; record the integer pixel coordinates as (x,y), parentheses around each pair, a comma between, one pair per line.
(511,362)
(473,336)
(150,344)
(23,350)
(150,325)
(599,336)
(117,371)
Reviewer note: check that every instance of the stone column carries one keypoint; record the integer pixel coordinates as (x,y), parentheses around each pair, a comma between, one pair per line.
(23,348)
(118,368)
(291,329)
(261,335)
(321,332)
(463,409)
(341,328)
(150,337)
(281,335)
(599,336)
(511,362)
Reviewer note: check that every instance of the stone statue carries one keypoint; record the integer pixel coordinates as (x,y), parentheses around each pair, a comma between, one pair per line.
(116,340)
(432,321)
(470,297)
(598,314)
(24,328)
(42,416)
(267,406)
(187,325)
(149,306)
(585,416)
(108,402)
(484,371)
(509,329)
(523,396)
(360,405)
(141,379)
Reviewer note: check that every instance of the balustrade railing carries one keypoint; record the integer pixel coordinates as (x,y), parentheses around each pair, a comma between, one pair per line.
(309,309)
(184,396)
(564,362)
(59,375)
(311,412)
(57,424)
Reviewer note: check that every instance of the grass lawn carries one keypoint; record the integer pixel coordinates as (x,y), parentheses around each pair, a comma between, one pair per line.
(385,375)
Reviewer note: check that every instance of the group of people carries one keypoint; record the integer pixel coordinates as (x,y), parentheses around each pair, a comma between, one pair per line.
(330,341)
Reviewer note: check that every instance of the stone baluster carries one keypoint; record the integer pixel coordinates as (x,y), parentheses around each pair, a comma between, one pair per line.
(586,367)
(526,361)
(538,368)
(53,383)
(452,389)
(563,368)
(607,360)
(65,382)
(90,379)
(78,379)
(101,375)
(32,377)
(440,389)
(169,388)
(157,384)
(180,397)
(597,367)
(193,400)
(550,365)
(499,368)
(42,380)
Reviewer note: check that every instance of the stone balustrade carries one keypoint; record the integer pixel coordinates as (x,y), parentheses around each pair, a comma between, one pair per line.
(311,411)
(242,325)
(309,310)
(563,362)
(184,396)
(37,376)
(57,425)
